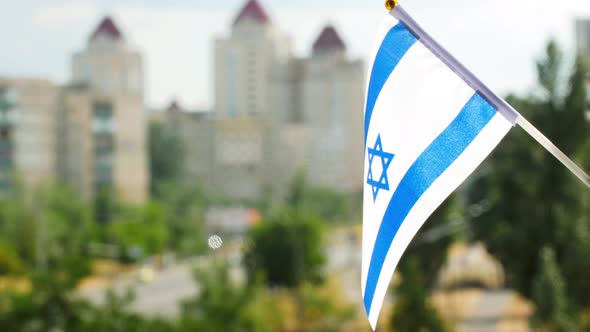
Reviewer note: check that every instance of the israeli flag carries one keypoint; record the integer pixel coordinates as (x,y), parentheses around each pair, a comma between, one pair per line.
(429,123)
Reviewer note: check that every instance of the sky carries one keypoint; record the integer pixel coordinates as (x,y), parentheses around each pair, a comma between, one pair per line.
(498,40)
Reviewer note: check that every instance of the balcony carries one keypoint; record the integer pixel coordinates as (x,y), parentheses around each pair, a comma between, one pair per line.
(103,126)
(7,118)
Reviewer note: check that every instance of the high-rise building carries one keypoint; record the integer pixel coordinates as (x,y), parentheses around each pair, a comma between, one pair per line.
(108,64)
(27,131)
(332,106)
(318,105)
(101,144)
(90,133)
(196,130)
(242,154)
(583,36)
(243,63)
(276,114)
(102,127)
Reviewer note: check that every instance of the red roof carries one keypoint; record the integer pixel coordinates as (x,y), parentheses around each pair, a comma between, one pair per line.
(107,27)
(328,40)
(173,107)
(252,10)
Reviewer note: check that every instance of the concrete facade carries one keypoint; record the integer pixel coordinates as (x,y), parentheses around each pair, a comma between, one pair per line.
(90,134)
(276,114)
(243,63)
(103,126)
(103,151)
(27,130)
(108,64)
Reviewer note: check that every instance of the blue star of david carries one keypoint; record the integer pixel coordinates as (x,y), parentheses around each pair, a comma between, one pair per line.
(382,183)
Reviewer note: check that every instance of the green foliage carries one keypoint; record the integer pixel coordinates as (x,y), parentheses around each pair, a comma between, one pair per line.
(225,305)
(166,155)
(115,316)
(142,228)
(51,306)
(550,297)
(549,71)
(326,204)
(184,208)
(575,262)
(58,221)
(52,223)
(534,200)
(287,249)
(9,260)
(411,311)
(104,206)
(221,304)
(18,226)
(321,311)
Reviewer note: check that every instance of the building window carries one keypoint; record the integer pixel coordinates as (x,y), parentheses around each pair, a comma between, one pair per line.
(7,108)
(102,121)
(104,145)
(232,80)
(294,108)
(105,82)
(337,104)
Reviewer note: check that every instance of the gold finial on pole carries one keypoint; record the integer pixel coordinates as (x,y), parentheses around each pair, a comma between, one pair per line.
(390,4)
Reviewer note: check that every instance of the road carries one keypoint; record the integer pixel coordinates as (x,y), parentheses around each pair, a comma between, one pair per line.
(158,297)
(162,295)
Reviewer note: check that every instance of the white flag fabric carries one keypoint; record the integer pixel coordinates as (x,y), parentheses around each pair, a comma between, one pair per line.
(429,123)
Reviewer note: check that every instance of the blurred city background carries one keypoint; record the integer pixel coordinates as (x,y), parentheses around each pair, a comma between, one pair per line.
(225,195)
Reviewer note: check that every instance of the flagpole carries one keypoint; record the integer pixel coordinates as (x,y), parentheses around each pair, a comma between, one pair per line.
(554,150)
(503,107)
(390,4)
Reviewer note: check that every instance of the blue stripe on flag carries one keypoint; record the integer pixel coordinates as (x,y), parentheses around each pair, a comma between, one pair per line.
(394,46)
(441,153)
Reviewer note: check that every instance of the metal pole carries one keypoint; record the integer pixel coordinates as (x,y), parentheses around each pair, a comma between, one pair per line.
(554,150)
(390,4)
(40,243)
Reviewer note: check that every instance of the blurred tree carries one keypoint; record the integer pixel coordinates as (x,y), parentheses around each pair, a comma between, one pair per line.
(48,305)
(534,200)
(52,222)
(323,309)
(51,306)
(297,190)
(227,305)
(166,156)
(66,214)
(142,228)
(575,262)
(18,225)
(184,209)
(221,304)
(104,206)
(115,316)
(287,249)
(553,312)
(10,263)
(412,311)
(327,204)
